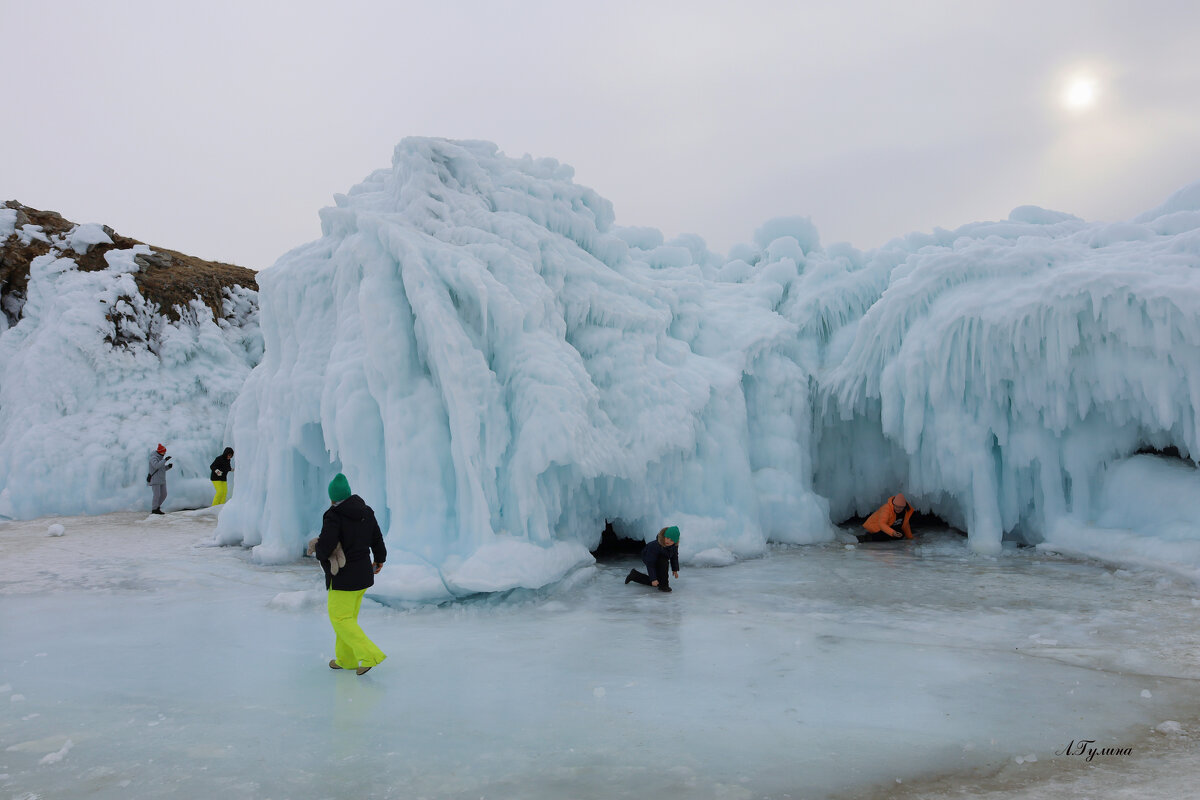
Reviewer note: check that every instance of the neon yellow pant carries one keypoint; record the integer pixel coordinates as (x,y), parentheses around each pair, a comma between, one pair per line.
(353,649)
(220,487)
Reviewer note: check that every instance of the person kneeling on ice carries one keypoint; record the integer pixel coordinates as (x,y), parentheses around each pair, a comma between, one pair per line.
(657,555)
(350,523)
(879,525)
(219,475)
(156,478)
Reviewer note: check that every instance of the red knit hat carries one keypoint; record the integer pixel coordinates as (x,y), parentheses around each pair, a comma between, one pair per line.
(161,448)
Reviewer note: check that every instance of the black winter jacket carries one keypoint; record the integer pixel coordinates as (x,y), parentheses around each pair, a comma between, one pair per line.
(351,522)
(219,470)
(653,553)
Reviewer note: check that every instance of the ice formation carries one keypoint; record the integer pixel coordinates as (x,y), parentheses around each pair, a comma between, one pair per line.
(1007,366)
(93,374)
(499,369)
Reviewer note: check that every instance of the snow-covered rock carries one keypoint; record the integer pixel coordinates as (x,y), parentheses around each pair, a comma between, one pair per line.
(108,347)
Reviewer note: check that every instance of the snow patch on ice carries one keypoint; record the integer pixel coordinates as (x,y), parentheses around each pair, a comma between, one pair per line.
(296,601)
(712,557)
(208,511)
(509,563)
(59,755)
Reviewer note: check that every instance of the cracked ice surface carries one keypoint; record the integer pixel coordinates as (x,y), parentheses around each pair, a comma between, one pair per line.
(139,661)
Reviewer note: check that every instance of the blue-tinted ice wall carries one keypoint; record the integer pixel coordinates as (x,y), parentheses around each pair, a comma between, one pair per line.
(494,365)
(499,368)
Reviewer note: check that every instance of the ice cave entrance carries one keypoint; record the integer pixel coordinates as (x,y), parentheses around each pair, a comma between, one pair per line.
(617,541)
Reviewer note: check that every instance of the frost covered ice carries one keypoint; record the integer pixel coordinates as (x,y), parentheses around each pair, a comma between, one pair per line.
(1008,366)
(139,662)
(498,372)
(499,369)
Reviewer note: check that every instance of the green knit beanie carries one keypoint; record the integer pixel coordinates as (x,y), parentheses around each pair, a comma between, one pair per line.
(671,534)
(339,488)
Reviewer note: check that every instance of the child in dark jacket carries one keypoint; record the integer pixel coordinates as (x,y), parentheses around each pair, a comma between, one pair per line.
(657,556)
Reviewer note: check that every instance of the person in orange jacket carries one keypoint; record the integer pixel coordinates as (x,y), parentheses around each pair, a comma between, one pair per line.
(879,525)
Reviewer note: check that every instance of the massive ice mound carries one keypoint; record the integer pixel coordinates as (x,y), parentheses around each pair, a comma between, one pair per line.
(1008,366)
(94,371)
(501,370)
(498,371)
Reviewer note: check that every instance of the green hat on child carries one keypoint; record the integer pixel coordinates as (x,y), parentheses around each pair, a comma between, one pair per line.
(671,534)
(339,488)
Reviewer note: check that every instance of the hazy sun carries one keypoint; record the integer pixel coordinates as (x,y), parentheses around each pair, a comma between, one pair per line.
(1080,93)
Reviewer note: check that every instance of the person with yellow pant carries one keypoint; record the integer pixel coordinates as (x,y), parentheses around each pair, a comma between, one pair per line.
(351,523)
(218,473)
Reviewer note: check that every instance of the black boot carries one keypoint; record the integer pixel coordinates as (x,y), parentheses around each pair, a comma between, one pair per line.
(637,577)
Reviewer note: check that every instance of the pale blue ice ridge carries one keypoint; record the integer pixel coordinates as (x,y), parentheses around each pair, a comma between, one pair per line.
(498,368)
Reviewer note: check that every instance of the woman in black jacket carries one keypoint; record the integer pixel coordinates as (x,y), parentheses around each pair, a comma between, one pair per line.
(350,522)
(218,473)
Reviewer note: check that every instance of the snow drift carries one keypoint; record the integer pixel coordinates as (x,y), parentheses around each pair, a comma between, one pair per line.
(499,369)
(95,371)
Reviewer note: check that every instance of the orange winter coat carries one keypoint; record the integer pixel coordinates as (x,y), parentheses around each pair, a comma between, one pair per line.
(885,517)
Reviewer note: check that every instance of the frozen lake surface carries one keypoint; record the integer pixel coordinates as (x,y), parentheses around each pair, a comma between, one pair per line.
(136,661)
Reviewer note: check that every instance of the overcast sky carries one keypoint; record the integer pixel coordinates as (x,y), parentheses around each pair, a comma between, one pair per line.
(220,128)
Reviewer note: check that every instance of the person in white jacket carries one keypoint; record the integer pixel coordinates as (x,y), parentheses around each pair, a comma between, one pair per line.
(160,462)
